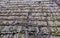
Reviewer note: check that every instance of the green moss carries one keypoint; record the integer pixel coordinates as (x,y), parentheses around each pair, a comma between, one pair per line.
(21,23)
(58,24)
(52,26)
(56,33)
(58,18)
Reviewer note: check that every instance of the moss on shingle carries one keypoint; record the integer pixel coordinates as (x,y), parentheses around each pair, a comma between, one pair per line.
(52,26)
(56,33)
(58,18)
(58,24)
